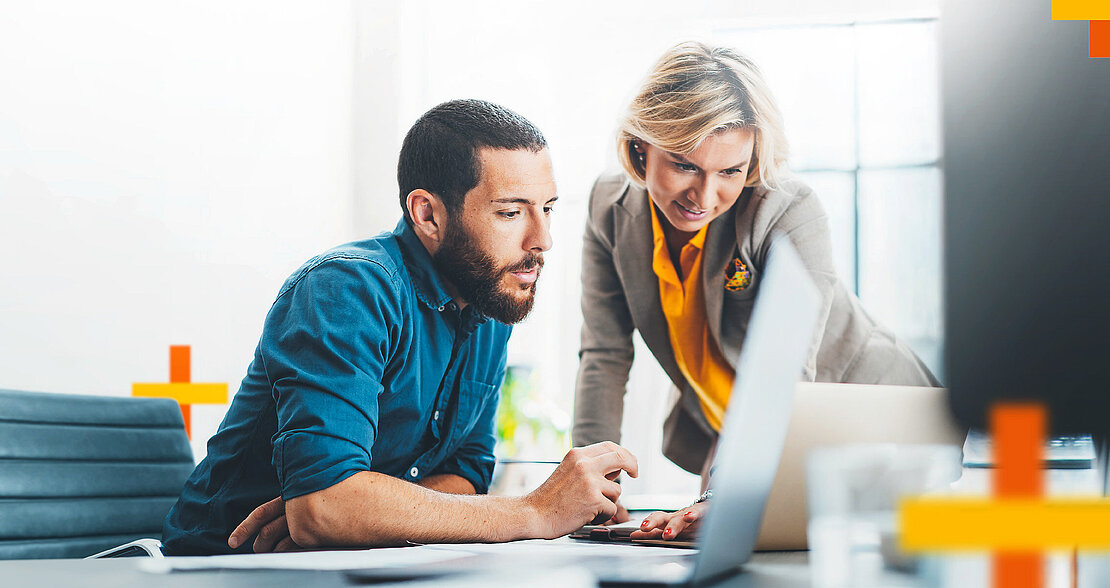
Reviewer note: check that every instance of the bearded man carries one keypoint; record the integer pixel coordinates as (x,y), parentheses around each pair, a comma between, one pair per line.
(369,406)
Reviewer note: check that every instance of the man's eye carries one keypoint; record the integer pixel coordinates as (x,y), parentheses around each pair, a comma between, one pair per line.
(548,209)
(509,214)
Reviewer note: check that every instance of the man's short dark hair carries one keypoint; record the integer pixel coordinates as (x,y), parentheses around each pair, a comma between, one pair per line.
(440,151)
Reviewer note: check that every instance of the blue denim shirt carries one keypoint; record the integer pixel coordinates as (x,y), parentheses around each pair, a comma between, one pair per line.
(365,363)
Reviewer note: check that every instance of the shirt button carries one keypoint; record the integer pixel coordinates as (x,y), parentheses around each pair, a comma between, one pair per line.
(414,472)
(441,308)
(435,417)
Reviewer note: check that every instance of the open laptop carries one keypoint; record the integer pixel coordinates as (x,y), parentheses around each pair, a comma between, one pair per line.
(751,441)
(824,415)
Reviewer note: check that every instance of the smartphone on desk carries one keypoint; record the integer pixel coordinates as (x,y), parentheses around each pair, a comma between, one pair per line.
(623,534)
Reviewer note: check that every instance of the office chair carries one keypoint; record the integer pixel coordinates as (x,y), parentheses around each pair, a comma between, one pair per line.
(81,474)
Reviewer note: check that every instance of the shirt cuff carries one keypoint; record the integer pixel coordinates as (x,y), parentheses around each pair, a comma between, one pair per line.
(308,462)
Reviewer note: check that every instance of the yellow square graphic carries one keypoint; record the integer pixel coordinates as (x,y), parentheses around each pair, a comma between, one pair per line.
(1080,9)
(184,392)
(1008,525)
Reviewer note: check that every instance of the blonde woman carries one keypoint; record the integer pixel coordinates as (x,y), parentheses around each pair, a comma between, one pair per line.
(675,248)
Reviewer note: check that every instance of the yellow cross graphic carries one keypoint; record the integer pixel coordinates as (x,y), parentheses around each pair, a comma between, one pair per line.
(181,388)
(1017,523)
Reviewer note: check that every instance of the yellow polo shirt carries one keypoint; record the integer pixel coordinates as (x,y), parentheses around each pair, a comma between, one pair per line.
(684,306)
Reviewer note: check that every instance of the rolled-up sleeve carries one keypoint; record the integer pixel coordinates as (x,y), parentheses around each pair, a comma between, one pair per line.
(325,345)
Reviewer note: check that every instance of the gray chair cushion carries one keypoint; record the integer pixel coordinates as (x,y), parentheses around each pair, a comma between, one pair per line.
(80,474)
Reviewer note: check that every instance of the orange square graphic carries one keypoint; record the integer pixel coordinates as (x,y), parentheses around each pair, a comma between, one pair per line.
(1100,38)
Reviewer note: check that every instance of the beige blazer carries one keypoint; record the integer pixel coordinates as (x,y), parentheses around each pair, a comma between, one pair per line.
(620,293)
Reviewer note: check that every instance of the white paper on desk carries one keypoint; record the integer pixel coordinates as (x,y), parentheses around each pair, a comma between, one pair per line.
(386,557)
(564,577)
(546,547)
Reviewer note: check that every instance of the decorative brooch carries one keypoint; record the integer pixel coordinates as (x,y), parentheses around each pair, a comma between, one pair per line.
(739,276)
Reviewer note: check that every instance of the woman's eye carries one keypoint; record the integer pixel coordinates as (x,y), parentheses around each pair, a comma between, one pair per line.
(685,166)
(732,171)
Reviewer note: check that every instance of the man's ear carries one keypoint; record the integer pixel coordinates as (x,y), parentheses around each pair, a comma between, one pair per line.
(428,215)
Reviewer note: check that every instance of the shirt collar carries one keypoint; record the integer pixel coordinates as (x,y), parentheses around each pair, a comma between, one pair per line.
(697,241)
(430,286)
(661,258)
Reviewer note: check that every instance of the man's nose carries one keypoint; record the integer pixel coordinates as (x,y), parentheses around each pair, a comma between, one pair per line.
(539,235)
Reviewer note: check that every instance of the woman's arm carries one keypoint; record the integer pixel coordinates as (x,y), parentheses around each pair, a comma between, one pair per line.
(605,355)
(806,224)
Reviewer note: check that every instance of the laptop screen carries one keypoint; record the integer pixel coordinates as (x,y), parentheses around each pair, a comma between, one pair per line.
(780,332)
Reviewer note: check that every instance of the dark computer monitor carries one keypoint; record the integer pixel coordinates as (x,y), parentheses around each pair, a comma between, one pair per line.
(1026,124)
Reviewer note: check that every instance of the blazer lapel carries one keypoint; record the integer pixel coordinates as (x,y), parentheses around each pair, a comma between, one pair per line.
(633,248)
(715,257)
(720,243)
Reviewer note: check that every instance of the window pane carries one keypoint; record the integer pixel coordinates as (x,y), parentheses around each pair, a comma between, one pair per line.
(898,103)
(900,261)
(809,70)
(837,193)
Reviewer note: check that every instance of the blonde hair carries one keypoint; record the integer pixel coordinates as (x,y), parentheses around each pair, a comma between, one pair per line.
(695,91)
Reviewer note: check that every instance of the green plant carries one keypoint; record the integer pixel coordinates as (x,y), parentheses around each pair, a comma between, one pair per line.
(527,424)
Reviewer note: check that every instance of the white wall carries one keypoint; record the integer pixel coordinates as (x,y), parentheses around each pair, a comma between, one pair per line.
(163,167)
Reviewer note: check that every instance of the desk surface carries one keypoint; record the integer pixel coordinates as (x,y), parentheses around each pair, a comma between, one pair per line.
(767,570)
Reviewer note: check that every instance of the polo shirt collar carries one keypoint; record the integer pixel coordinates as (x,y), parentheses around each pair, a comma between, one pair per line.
(661,257)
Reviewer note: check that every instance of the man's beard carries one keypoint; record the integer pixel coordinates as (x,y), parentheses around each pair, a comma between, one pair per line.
(478,279)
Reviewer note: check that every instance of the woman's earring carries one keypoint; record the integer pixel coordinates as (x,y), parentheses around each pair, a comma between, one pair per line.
(639,153)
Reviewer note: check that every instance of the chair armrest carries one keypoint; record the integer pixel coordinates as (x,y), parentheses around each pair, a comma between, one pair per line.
(137,548)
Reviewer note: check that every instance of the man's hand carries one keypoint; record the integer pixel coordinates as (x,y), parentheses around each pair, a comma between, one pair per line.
(582,489)
(621,516)
(671,525)
(271,525)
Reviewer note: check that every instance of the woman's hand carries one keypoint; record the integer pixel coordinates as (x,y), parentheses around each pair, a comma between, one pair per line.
(672,525)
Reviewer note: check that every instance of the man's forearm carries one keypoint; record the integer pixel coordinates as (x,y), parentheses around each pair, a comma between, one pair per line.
(401,512)
(450,483)
(372,509)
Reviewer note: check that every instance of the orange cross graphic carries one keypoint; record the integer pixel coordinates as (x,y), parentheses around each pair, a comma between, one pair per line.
(1017,524)
(181,388)
(1095,11)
